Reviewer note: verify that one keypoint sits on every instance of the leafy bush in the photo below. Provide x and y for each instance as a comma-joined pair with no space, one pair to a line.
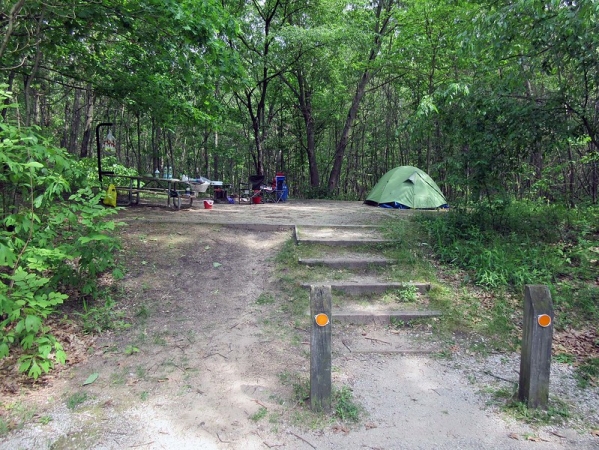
52,241
510,244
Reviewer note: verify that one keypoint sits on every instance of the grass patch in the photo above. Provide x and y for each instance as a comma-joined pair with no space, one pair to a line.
557,413
99,318
587,373
346,409
343,406
76,399
259,415
265,298
15,416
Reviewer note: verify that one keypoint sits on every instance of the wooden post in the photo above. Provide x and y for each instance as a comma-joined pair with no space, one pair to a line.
535,362
320,348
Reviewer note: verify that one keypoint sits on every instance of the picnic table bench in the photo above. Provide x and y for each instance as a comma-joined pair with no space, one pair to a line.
130,187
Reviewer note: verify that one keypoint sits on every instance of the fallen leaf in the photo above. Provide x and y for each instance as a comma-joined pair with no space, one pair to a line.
595,433
514,436
93,377
215,264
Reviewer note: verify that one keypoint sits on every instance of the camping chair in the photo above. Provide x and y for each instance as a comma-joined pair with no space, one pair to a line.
255,188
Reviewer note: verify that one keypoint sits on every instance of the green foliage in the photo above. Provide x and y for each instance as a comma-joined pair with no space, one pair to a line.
508,243
104,317
345,407
52,242
260,414
408,294
76,399
505,245
557,413
265,298
587,373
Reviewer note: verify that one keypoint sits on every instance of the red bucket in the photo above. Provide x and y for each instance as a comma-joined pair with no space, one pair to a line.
208,204
256,200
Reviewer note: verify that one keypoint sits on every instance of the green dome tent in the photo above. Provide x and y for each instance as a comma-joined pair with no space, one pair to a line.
406,187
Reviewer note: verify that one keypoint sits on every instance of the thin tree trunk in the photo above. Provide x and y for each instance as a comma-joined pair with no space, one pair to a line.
380,30
89,118
75,122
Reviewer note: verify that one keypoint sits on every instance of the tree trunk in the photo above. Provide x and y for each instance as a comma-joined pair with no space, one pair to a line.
89,118
75,122
344,138
303,93
380,30
11,79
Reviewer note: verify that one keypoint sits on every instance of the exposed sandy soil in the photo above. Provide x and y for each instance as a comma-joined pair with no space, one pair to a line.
214,355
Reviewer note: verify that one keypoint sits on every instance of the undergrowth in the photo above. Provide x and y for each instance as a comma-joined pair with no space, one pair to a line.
502,246
55,243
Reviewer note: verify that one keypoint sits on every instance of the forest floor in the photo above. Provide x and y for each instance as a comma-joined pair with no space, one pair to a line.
214,359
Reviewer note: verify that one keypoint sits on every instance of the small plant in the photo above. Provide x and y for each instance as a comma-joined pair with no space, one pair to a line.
587,374
556,413
130,350
265,298
76,399
260,414
144,396
143,312
103,317
564,358
345,407
408,293
4,428
45,420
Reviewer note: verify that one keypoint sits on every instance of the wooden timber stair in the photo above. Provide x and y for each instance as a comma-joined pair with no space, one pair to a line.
363,298
339,235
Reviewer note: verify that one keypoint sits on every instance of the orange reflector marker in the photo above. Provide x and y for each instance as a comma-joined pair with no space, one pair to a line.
544,320
321,319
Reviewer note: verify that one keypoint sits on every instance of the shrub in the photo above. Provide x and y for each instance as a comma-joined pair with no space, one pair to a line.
53,240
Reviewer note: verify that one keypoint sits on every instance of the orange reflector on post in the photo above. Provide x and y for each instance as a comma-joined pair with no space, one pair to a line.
544,320
321,319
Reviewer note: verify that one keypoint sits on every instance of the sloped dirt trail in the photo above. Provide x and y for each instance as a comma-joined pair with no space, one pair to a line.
207,362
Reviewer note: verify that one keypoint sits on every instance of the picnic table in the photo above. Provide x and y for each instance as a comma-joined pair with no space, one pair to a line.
130,187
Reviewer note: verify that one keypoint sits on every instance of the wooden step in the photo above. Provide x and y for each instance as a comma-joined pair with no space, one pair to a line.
382,318
339,235
346,263
361,288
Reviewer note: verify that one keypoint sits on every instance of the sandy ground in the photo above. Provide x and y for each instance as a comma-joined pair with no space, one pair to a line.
210,364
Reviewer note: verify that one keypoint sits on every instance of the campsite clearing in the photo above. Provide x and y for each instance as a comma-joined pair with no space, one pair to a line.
216,357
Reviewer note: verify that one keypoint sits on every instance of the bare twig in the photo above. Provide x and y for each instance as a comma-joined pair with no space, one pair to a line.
141,445
499,378
213,354
377,340
224,442
346,346
301,439
260,403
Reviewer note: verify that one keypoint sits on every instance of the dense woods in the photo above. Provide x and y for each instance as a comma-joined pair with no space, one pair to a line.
490,98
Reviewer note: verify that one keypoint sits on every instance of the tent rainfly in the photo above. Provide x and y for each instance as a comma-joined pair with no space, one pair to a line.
406,187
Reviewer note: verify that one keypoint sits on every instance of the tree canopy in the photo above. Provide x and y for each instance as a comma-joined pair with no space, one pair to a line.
490,98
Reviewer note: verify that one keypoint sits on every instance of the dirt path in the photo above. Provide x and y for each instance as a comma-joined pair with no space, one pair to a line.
214,356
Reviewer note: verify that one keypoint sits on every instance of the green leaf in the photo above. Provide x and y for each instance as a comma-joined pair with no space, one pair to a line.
93,377
33,165
32,323
215,264
35,371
